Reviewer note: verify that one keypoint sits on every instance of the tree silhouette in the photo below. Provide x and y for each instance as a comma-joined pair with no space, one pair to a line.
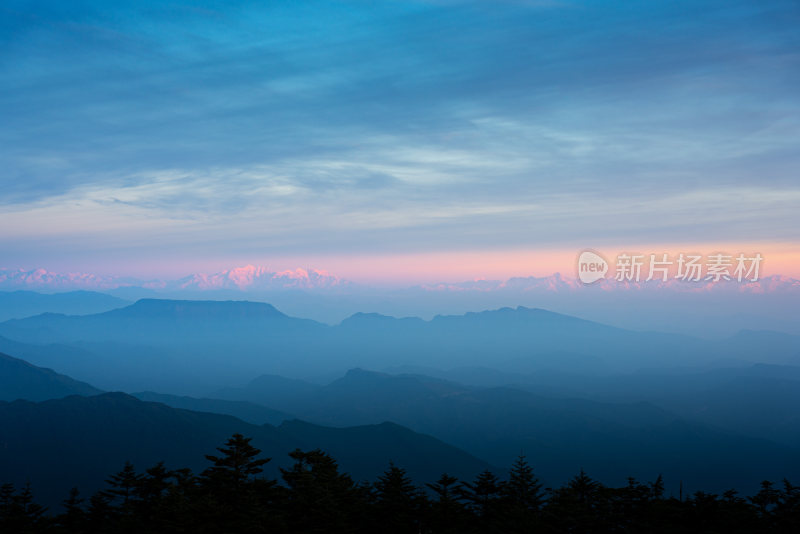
321,498
483,499
101,513
581,504
523,489
787,511
18,511
398,502
232,497
447,514
122,485
74,517
237,464
228,488
522,497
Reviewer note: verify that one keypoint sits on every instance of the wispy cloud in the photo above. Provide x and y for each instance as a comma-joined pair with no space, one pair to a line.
395,126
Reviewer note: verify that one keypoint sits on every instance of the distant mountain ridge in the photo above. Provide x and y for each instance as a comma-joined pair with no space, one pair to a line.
557,282
225,342
22,380
157,344
251,278
23,303
197,309
257,330
247,278
255,278
162,319
44,279
246,411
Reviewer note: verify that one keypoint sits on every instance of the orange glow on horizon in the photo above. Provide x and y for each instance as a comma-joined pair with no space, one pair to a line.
448,266
458,266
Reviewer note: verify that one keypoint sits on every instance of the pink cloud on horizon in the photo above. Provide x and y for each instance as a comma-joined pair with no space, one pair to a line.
458,266
426,267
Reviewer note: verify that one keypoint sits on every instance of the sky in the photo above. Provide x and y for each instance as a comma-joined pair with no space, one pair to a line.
420,140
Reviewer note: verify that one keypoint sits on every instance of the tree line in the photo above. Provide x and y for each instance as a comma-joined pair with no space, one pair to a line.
231,496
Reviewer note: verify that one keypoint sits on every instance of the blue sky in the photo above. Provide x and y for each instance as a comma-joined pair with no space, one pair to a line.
213,133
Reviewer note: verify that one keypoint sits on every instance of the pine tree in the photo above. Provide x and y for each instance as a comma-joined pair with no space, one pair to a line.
398,501
767,498
657,487
521,498
33,512
100,512
19,513
321,499
444,489
123,485
523,489
447,514
178,513
481,494
154,484
580,505
237,465
228,487
583,488
7,493
787,511
73,519
151,492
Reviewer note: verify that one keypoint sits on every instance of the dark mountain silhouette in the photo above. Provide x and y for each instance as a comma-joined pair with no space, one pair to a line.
80,440
19,304
758,400
21,380
246,411
560,435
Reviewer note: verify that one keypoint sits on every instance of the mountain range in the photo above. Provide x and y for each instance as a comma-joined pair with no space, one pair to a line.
82,440
163,345
685,423
216,341
247,278
349,418
20,304
701,309
251,278
56,432
560,435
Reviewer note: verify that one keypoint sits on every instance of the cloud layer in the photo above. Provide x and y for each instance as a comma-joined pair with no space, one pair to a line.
265,129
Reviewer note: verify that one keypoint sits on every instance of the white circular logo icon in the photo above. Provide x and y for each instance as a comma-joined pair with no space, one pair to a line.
591,267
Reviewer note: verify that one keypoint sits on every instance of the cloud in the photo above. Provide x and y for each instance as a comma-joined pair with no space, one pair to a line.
364,126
